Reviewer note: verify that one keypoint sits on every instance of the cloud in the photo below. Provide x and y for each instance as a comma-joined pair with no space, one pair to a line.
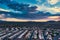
38,17
53,2
52,10
10,10
44,5
51,6
2,16
29,15
28,12
50,18
14,19
4,10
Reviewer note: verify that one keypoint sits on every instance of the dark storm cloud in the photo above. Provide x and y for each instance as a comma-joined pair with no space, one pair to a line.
38,15
30,16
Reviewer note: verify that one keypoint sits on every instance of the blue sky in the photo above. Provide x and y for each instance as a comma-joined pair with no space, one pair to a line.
50,5
27,1
40,2
47,7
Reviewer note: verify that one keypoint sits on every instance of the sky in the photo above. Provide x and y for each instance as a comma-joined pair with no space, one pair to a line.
37,10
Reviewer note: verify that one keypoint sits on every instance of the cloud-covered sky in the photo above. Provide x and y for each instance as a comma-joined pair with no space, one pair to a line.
52,6
32,10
